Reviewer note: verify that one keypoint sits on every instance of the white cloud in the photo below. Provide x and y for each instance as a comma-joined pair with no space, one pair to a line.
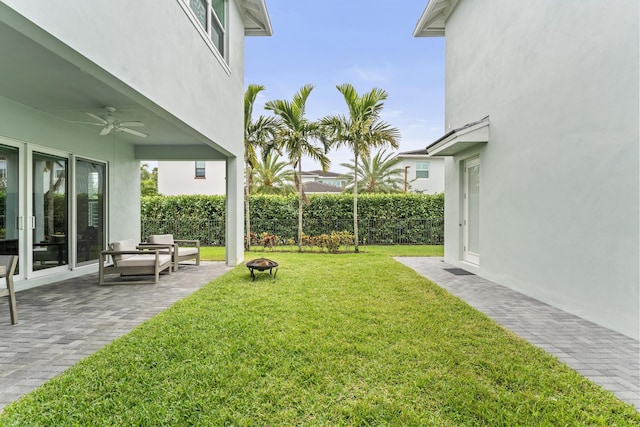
374,75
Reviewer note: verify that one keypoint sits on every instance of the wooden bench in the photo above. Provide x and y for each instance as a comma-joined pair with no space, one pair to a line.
131,260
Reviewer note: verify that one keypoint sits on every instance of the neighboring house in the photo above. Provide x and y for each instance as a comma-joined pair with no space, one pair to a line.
423,174
173,71
542,169
195,177
327,178
313,187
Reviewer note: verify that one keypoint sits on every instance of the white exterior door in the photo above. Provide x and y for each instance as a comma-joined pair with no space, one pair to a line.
471,212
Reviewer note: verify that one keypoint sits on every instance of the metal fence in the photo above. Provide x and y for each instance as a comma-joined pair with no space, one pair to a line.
373,231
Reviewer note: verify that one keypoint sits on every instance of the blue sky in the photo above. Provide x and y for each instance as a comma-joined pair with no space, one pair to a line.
367,43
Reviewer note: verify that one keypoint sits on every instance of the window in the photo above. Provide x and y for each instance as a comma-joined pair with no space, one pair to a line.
332,182
422,170
211,16
216,32
200,169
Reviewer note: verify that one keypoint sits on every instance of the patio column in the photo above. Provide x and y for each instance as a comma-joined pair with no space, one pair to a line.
234,212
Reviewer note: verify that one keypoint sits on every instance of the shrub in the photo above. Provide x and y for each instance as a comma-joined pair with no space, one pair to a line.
382,218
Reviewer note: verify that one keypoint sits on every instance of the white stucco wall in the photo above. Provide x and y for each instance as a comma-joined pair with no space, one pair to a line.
176,178
559,180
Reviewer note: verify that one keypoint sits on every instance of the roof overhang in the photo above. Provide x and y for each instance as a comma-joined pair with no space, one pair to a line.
432,21
460,139
415,154
256,18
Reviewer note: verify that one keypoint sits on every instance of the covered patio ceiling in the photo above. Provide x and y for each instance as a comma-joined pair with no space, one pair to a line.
46,75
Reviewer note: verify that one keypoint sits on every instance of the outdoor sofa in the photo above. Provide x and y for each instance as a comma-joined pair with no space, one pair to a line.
130,259
181,250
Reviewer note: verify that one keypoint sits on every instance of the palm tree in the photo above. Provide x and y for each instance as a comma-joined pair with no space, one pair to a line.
258,136
361,131
270,176
296,138
377,175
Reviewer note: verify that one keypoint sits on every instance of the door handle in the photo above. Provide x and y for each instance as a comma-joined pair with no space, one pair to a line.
19,223
33,222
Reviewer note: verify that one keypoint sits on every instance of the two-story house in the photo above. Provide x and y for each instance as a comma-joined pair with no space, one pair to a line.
87,90
542,169
422,173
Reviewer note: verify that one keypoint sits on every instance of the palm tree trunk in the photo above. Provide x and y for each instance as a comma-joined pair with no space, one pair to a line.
247,244
355,200
300,205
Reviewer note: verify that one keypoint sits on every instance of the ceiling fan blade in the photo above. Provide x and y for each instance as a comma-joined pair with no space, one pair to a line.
98,118
131,124
107,130
132,132
85,123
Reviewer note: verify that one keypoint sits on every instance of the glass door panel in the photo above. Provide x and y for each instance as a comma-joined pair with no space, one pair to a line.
50,211
471,218
90,211
9,202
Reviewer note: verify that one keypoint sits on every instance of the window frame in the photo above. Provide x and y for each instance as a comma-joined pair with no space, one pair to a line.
213,25
422,169
200,172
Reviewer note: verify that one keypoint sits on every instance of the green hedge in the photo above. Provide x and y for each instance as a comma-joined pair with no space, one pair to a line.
331,207
382,218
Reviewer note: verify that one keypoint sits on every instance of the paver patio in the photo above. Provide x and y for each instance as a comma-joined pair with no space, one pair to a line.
63,322
607,358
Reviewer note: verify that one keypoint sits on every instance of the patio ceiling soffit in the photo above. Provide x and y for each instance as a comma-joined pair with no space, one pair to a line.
432,21
50,77
460,139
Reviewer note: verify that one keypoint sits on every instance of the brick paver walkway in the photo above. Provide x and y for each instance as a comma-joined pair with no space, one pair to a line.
64,322
609,359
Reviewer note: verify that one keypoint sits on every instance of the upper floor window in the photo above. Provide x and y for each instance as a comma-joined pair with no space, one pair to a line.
211,14
333,182
200,169
422,170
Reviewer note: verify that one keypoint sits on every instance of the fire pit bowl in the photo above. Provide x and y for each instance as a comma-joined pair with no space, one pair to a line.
261,264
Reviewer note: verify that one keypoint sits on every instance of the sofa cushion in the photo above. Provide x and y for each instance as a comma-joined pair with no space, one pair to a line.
160,239
122,245
144,260
186,251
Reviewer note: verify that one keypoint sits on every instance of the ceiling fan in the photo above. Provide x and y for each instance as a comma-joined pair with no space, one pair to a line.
109,123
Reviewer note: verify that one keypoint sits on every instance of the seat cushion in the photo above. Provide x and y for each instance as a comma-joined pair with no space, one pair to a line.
122,245
186,251
160,239
143,260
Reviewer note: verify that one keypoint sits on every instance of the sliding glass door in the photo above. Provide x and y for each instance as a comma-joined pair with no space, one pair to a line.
49,220
10,219
90,210
52,209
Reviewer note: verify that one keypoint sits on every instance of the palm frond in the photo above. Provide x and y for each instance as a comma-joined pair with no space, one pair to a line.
378,174
250,96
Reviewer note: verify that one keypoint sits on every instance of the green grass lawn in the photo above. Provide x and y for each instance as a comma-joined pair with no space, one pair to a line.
349,339
216,253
